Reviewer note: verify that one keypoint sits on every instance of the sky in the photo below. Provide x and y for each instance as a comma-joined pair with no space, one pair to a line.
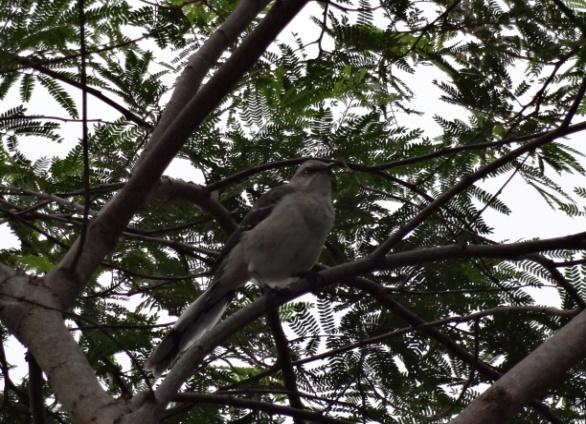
531,216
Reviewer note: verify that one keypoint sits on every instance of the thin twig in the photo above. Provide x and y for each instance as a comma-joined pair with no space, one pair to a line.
557,276
467,180
439,322
270,408
51,118
469,380
498,192
269,390
574,106
94,92
409,316
102,49
84,137
570,263
284,357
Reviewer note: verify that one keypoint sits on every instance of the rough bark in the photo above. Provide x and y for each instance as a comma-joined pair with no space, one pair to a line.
32,313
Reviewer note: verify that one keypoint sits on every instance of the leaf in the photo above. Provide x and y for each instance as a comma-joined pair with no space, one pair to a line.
26,87
6,82
499,131
40,264
60,95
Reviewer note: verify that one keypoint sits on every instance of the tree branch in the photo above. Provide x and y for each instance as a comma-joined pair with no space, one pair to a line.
199,64
65,58
347,272
270,408
239,176
464,318
166,189
84,133
8,383
249,390
380,294
574,106
284,357
569,13
41,328
169,188
94,92
557,276
35,390
32,313
511,251
529,378
113,218
466,181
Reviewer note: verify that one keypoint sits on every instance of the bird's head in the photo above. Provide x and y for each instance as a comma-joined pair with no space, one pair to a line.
314,175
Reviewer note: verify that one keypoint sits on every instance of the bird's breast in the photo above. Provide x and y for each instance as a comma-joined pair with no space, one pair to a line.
290,239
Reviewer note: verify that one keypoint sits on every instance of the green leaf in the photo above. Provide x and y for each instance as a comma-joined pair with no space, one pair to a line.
26,87
499,131
40,264
60,95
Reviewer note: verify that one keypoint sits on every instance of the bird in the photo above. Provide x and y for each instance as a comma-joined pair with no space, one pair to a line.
281,237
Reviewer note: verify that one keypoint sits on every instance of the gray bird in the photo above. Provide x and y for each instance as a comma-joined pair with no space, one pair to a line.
280,237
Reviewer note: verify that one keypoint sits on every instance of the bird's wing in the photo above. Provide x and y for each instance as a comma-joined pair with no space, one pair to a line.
261,209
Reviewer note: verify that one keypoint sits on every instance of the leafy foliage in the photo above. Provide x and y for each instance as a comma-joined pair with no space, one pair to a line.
511,68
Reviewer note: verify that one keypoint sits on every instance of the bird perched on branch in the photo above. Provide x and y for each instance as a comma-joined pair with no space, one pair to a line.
279,238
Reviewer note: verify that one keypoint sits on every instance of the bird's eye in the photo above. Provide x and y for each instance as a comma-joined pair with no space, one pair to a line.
308,171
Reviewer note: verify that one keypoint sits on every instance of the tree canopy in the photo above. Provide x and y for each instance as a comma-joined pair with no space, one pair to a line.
420,303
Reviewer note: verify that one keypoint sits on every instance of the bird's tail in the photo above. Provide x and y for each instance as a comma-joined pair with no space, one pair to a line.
203,314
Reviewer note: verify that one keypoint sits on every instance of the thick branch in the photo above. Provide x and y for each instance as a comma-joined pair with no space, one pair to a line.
31,312
529,378
183,368
41,327
512,251
203,60
177,189
114,217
